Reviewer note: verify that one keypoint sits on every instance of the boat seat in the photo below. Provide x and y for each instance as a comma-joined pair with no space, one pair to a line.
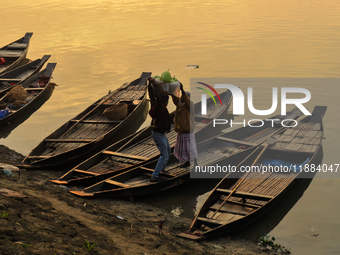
230,209
235,141
9,79
120,184
211,221
33,89
81,193
38,157
97,122
84,172
245,195
69,140
253,206
59,182
17,46
124,155
161,173
203,118
10,54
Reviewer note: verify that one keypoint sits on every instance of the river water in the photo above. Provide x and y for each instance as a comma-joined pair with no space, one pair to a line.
100,44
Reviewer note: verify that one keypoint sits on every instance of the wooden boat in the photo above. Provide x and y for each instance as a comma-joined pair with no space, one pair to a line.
242,198
21,73
35,95
91,131
140,148
223,150
13,54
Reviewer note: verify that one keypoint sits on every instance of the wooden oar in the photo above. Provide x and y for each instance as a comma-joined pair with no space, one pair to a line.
269,142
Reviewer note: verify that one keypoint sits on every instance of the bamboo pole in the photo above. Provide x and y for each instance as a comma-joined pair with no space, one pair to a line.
269,142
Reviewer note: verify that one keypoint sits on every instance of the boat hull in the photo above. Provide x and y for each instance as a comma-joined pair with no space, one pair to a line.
240,224
243,197
16,117
130,145
17,59
65,160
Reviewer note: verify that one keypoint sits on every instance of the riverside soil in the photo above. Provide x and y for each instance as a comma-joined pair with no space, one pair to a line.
44,218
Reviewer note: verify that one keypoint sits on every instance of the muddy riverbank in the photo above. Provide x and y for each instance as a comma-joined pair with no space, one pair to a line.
44,218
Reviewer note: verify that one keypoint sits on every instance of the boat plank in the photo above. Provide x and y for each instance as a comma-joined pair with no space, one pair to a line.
69,140
211,221
245,195
120,184
166,174
98,121
124,155
235,141
233,209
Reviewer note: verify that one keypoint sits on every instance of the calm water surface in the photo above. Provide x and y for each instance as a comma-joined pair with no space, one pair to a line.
100,44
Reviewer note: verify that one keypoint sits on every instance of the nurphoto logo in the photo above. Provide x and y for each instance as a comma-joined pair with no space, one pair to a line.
239,103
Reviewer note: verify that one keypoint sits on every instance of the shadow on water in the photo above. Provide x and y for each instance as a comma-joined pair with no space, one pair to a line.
22,116
274,216
186,199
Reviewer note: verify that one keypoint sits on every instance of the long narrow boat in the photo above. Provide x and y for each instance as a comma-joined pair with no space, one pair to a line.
21,73
140,148
14,53
91,131
223,149
241,198
35,95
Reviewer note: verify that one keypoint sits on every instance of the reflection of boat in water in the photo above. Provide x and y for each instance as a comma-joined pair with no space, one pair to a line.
242,198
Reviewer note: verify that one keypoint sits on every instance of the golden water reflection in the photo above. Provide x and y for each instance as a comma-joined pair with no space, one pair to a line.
100,44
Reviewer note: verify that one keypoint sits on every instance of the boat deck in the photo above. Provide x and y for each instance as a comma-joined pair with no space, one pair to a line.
138,152
258,188
172,170
14,51
145,148
94,125
304,138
